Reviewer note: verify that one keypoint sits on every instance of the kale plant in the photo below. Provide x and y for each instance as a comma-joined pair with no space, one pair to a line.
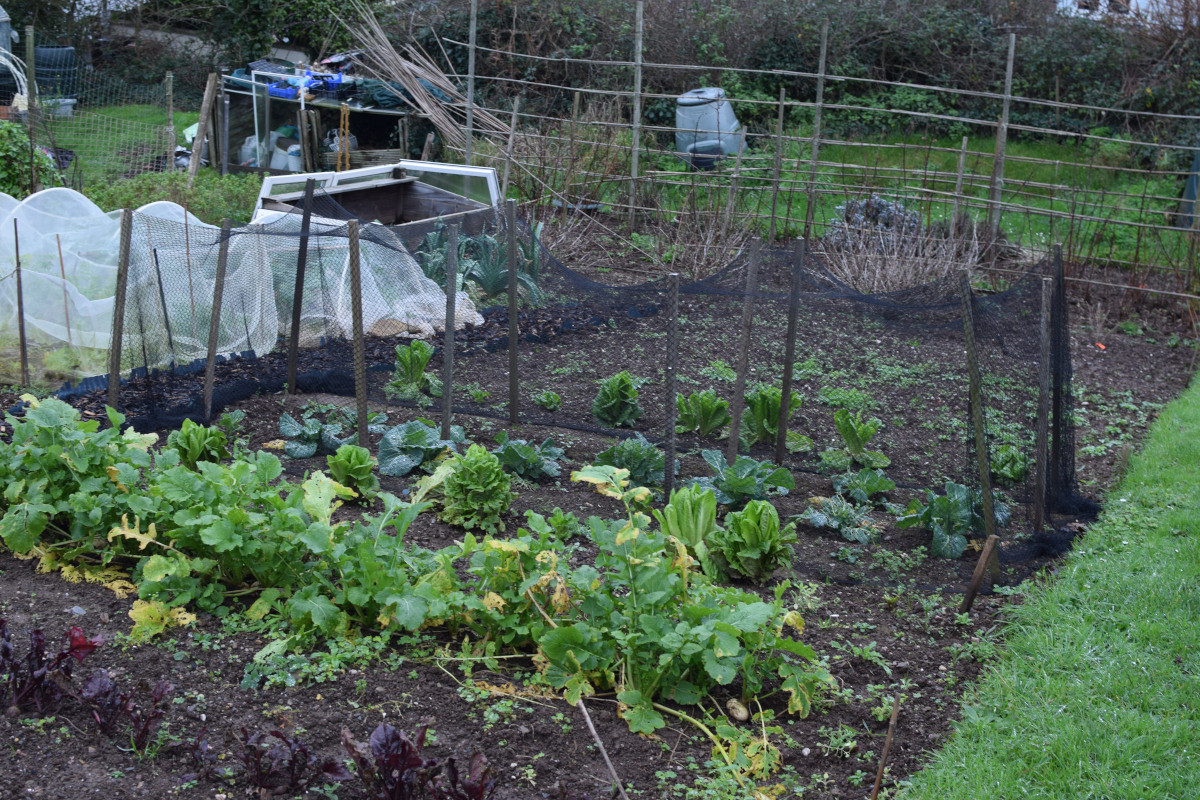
852,521
745,480
311,436
645,463
861,486
531,462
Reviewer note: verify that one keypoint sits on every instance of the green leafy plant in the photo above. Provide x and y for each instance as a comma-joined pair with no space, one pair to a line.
719,371
690,517
644,462
950,517
863,485
551,401
616,403
482,260
745,480
856,434
1010,464
702,412
353,467
17,158
310,436
196,443
852,521
411,444
476,491
477,393
752,543
760,422
410,381
561,524
531,462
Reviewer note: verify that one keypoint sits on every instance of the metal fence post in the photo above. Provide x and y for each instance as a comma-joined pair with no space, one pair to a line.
739,386
810,212
669,387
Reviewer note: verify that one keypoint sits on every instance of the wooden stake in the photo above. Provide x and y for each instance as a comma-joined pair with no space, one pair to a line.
206,106
982,567
739,387
22,344
789,356
356,323
810,212
508,151
669,387
887,745
214,319
62,271
470,121
976,389
1042,444
638,30
514,327
448,337
169,85
733,183
116,345
958,186
310,186
778,164
427,150
997,188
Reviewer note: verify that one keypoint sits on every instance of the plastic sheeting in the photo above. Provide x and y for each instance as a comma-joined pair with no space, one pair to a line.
69,252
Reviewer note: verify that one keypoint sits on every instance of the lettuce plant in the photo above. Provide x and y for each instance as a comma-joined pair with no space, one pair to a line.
616,403
745,480
196,443
476,491
703,412
353,467
752,542
410,381
551,401
690,516
39,682
760,422
856,433
1009,464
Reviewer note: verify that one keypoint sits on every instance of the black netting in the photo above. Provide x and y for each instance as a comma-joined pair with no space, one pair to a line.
911,341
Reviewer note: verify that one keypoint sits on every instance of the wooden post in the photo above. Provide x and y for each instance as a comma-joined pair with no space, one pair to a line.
976,389
116,345
427,150
448,336
789,356
571,161
739,386
169,86
669,387
986,556
1060,340
1042,444
62,272
810,212
21,343
356,330
214,320
997,187
778,164
310,186
508,151
470,126
30,70
206,106
958,187
514,326
225,134
638,30
887,746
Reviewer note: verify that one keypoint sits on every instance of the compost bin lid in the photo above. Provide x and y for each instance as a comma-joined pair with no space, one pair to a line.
698,97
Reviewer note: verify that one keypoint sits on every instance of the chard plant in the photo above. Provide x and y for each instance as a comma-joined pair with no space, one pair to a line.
410,381
856,434
616,402
701,412
745,480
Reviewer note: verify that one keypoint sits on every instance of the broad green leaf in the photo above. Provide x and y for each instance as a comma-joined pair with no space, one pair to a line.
23,524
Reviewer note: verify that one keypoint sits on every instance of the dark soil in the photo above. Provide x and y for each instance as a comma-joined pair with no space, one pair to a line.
539,745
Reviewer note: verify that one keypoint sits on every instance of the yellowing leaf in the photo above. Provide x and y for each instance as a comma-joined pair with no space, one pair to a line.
627,534
121,588
793,620
320,496
547,557
506,546
140,441
71,574
561,599
493,601
113,475
151,618
275,444
124,531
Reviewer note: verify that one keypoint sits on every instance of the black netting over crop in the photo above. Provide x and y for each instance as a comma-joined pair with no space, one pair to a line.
898,356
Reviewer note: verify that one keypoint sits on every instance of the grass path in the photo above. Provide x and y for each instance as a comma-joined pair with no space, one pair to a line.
1097,694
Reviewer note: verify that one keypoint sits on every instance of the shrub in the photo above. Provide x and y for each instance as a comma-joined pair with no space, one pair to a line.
15,177
477,492
212,198
752,543
616,403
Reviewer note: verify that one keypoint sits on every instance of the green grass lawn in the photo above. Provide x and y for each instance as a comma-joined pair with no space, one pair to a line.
1097,692
117,140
